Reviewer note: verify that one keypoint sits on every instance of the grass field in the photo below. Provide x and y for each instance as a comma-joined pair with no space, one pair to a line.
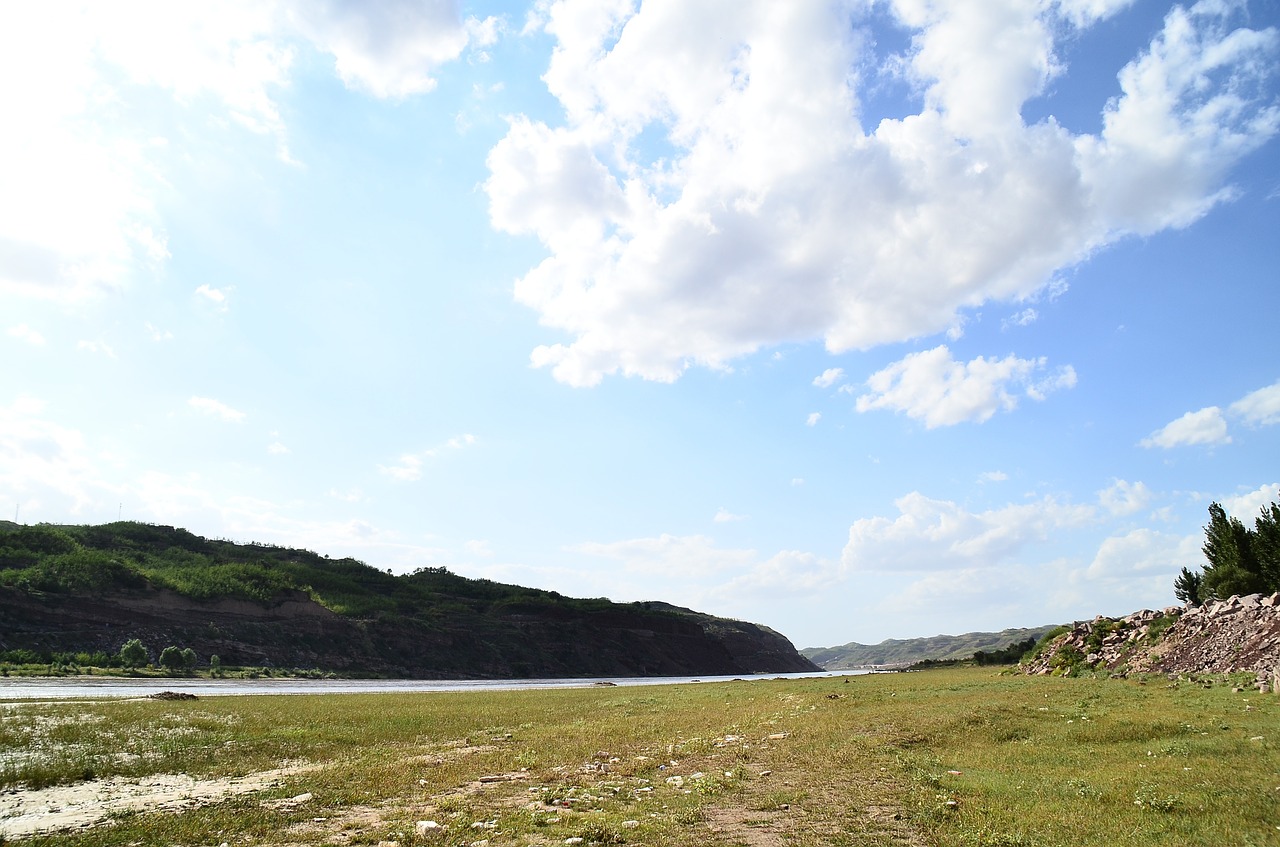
945,757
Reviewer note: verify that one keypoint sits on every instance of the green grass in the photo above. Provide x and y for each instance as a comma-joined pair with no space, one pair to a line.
955,758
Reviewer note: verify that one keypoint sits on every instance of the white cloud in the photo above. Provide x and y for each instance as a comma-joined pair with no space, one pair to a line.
216,409
776,207
1143,553
1247,506
1024,318
723,515
796,482
933,387
479,548
993,476
390,48
22,332
1259,408
275,448
158,334
41,460
1125,498
689,556
813,419
216,296
81,185
1206,426
787,572
829,377
932,534
410,465
97,348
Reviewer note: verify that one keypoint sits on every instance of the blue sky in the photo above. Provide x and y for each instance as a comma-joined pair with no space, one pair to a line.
857,319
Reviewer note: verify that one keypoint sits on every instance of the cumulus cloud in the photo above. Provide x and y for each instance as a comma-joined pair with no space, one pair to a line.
1247,506
813,419
707,196
930,534
1125,498
829,377
1209,425
1206,426
1145,553
391,48
216,409
409,467
1259,408
993,476
933,387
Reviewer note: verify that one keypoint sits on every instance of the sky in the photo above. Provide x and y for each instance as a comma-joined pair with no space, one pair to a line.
860,319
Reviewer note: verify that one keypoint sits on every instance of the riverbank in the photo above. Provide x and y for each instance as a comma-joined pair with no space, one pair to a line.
954,758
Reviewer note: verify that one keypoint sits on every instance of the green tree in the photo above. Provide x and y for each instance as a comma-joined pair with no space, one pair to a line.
1266,544
1187,586
189,658
215,665
1240,560
133,654
171,658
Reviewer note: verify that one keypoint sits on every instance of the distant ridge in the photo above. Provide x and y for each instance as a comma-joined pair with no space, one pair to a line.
900,652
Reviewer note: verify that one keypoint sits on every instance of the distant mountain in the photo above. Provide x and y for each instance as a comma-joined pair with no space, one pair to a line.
90,589
900,652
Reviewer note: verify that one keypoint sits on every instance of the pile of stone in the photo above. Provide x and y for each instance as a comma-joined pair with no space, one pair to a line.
1239,634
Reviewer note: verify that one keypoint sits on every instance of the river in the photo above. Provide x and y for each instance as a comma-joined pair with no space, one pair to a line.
64,688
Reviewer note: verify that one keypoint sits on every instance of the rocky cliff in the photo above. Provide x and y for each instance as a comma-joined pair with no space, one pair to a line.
1240,634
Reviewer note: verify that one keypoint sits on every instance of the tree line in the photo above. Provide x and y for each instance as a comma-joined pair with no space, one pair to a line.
1239,559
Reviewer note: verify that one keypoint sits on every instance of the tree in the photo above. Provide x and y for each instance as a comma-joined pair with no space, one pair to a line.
171,658
1240,560
133,654
1266,544
189,658
215,665
1187,585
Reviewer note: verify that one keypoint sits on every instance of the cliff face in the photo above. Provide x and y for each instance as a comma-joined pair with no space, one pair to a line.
1240,634
509,641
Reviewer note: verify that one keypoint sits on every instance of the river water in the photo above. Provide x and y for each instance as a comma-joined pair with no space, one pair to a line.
63,688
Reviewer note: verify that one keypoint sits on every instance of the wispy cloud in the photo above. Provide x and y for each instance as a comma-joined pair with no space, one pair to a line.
22,332
216,409
409,467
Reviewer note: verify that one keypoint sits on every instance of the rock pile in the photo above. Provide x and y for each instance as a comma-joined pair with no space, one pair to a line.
1239,634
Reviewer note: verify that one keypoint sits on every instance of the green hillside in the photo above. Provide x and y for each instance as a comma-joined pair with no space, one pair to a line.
89,588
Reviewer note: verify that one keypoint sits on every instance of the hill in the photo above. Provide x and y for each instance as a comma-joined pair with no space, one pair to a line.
901,652
90,589
1240,634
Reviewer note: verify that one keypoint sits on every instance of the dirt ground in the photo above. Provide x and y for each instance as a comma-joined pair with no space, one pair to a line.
25,812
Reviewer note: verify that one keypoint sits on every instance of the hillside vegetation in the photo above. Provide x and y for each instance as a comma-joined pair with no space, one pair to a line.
91,589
